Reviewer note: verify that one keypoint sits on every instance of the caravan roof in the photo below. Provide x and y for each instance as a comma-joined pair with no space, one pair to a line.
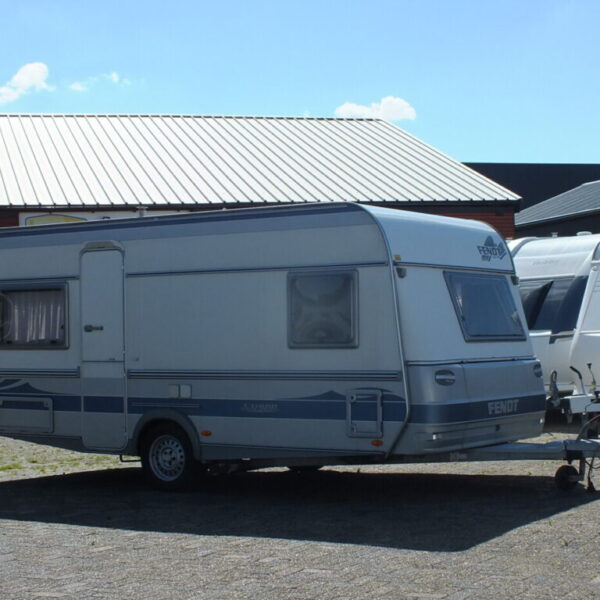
556,257
411,238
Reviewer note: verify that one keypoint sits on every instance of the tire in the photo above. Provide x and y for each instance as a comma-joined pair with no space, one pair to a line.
566,478
167,458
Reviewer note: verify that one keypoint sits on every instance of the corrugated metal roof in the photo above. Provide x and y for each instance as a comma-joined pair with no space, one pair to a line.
582,199
157,160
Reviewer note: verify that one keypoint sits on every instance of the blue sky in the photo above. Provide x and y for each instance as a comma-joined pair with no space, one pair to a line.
482,80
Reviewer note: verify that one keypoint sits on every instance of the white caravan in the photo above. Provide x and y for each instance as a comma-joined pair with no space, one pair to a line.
298,336
560,290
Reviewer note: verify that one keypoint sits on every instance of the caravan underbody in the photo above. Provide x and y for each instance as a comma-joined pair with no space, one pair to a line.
582,450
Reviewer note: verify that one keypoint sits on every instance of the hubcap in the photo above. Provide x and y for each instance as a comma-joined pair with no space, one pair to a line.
167,457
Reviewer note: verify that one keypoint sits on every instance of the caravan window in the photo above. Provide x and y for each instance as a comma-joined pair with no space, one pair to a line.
484,306
553,304
322,310
32,318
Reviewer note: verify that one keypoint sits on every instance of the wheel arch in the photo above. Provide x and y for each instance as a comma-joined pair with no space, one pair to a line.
166,415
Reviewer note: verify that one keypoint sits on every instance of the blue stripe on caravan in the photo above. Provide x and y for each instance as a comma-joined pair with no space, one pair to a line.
394,408
25,404
5,383
60,403
104,404
476,411
66,403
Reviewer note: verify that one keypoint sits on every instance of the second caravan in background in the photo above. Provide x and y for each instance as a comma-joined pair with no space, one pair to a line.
560,289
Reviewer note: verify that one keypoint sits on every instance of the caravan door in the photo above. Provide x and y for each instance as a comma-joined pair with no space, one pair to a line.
103,402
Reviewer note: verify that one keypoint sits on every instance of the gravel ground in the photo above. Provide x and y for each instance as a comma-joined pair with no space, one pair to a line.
83,527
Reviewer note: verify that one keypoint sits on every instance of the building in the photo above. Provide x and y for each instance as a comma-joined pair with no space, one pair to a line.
565,214
536,182
81,167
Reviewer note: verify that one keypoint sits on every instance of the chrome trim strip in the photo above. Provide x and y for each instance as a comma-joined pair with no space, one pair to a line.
268,375
481,269
257,269
35,280
23,373
462,361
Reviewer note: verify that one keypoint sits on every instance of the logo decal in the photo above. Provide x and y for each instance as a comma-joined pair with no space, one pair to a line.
260,407
503,407
490,250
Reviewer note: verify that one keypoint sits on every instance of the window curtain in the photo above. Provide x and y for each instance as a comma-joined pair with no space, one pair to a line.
33,317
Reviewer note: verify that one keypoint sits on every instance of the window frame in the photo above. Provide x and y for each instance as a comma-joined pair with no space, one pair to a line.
38,286
354,324
469,337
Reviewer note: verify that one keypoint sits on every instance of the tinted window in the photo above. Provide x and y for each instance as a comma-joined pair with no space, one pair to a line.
553,304
533,298
484,306
322,310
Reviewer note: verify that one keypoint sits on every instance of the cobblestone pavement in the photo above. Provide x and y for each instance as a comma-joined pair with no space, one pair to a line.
85,527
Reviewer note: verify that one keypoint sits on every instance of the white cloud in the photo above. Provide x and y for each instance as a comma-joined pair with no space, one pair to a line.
389,109
85,84
31,76
78,86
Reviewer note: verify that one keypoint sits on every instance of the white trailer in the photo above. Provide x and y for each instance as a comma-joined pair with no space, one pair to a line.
560,290
299,336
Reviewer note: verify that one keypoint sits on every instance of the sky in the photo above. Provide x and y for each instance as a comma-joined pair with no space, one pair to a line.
481,80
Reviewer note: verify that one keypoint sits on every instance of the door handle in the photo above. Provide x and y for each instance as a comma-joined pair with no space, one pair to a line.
89,328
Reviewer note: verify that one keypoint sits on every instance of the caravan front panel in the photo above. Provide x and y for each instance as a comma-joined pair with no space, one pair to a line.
473,379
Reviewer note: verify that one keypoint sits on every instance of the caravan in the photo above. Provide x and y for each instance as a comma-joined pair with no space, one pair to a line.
297,336
560,290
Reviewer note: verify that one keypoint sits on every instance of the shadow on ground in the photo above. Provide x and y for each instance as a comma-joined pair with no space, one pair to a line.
410,511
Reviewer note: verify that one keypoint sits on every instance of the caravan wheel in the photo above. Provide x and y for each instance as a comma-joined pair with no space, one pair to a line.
566,478
167,457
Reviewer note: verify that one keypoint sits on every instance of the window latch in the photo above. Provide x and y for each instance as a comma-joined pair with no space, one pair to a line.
90,328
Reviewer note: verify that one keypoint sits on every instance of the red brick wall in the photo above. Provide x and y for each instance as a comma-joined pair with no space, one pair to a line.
502,219
505,224
9,219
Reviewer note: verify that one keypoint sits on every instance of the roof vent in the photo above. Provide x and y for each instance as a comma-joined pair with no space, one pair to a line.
584,233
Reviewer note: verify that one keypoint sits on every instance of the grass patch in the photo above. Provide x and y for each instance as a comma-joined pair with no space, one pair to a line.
11,467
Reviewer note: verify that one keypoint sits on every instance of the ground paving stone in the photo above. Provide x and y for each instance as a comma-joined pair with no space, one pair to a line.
85,528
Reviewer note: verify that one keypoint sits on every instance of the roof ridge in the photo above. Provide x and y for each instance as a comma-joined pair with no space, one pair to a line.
190,115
